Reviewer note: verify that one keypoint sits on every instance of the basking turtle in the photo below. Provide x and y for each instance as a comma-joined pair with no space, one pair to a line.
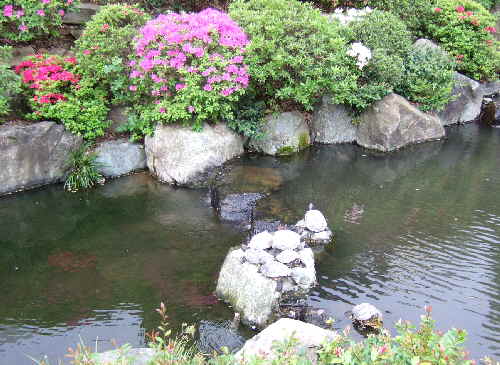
365,316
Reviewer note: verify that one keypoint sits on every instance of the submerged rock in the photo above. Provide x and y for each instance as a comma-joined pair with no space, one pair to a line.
284,134
392,123
34,155
365,315
177,154
237,208
212,335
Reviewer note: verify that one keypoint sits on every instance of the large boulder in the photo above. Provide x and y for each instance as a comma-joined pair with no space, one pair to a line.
254,295
177,154
34,155
309,338
258,278
284,134
332,123
466,104
120,157
392,123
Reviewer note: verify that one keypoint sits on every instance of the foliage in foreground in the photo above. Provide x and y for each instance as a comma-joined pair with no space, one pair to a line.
9,81
83,172
411,346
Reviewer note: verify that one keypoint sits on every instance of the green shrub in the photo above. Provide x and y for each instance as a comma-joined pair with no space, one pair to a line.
9,81
389,41
382,30
23,20
83,172
296,54
104,48
248,116
412,12
464,28
427,78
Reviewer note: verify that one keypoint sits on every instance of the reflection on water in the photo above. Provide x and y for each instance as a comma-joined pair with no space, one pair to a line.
420,226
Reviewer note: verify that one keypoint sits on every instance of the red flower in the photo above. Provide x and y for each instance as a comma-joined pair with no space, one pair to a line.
491,29
105,27
469,13
460,9
438,10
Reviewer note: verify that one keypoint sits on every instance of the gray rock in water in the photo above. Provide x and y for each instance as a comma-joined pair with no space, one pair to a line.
308,336
138,356
287,256
284,134
392,123
248,291
176,154
286,240
466,106
120,157
366,315
305,277
238,207
254,256
332,123
315,221
34,155
275,269
261,241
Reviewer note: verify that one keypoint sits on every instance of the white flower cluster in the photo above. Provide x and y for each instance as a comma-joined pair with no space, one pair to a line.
362,53
349,15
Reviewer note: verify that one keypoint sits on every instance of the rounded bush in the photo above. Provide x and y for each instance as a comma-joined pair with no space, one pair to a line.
382,30
189,68
427,78
296,54
56,93
9,81
23,20
465,29
105,46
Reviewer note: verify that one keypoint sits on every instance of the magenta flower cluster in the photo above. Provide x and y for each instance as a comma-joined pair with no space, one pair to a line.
189,53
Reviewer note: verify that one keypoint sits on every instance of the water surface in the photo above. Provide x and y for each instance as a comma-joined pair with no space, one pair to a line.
413,228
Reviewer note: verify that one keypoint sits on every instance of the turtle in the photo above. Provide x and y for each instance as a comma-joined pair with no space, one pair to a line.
365,316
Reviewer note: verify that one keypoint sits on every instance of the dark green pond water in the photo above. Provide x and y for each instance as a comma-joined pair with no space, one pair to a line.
413,228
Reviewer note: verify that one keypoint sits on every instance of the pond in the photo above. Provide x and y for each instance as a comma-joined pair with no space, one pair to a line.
416,227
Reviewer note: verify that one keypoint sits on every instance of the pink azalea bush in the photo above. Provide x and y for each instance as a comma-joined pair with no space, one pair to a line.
23,20
189,68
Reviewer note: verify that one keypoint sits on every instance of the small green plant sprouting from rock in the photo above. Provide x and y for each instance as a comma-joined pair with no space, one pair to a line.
304,141
84,172
286,151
